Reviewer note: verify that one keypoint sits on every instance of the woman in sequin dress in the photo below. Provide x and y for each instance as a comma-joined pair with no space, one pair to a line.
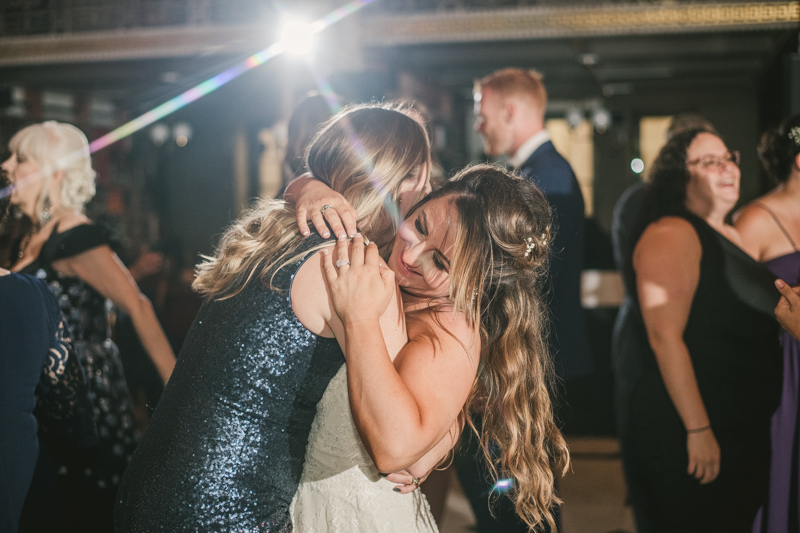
770,230
51,170
225,447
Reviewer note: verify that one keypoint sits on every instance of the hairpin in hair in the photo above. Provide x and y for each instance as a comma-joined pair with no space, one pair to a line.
529,245
794,134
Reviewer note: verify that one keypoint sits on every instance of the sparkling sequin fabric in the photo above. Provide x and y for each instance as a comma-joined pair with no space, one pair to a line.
225,447
89,477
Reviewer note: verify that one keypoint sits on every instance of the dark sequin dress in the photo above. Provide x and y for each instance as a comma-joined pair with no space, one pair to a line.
89,477
224,450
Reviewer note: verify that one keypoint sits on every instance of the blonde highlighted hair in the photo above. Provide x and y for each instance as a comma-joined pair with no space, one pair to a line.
498,265
57,146
365,152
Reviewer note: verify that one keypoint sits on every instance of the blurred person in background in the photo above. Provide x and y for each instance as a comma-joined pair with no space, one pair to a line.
53,179
40,379
510,105
630,348
697,427
770,232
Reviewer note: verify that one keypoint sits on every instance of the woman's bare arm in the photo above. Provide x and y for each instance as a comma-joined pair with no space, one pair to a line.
102,269
402,409
667,264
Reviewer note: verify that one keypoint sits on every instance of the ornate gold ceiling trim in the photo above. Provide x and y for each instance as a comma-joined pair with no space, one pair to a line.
549,22
137,43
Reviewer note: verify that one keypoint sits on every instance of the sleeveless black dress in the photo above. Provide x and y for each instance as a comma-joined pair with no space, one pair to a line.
88,477
732,337
224,450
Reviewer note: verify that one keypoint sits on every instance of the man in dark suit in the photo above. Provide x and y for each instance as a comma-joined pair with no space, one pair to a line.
510,106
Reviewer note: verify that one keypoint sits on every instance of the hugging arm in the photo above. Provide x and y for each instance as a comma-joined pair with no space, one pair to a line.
667,264
403,408
309,197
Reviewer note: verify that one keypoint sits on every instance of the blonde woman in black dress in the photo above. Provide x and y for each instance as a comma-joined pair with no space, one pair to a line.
53,177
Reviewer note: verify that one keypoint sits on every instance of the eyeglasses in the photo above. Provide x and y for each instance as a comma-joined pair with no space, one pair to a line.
716,162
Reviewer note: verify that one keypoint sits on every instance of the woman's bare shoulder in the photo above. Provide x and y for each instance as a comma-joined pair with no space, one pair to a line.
753,215
71,220
668,239
669,232
445,327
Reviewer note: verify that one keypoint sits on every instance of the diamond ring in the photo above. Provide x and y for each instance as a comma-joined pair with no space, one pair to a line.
324,207
340,262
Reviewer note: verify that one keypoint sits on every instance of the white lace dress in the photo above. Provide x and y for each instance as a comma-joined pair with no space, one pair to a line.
340,490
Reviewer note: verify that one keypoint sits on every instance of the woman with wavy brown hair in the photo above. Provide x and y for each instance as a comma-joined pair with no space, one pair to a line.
468,260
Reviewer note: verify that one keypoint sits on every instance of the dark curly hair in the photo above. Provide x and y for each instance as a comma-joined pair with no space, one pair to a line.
5,197
779,147
665,194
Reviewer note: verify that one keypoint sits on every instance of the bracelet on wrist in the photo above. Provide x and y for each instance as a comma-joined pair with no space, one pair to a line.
698,430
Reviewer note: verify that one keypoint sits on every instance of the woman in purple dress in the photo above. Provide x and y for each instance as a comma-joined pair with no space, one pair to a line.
770,232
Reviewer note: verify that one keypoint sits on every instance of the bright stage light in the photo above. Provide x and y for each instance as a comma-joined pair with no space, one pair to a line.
637,165
297,37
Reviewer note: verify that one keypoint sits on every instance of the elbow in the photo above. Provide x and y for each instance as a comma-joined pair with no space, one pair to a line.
664,340
140,308
388,464
390,459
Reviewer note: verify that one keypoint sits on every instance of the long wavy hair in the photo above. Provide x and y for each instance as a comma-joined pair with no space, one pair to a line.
502,243
365,152
665,193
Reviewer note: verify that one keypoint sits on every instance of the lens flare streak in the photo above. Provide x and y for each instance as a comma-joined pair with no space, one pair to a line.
196,92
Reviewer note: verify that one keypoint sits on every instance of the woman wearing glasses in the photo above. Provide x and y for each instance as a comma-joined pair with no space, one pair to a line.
770,230
699,414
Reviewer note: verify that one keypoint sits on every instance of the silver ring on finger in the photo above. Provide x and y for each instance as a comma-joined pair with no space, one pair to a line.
415,481
341,262
324,207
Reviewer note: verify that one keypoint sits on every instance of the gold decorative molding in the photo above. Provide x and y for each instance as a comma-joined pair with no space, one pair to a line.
549,22
139,43
420,28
